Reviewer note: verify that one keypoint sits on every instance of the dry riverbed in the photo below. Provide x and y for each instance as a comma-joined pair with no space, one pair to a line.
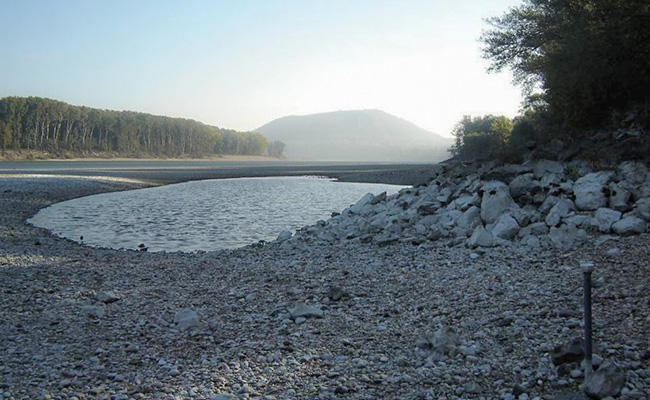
82,323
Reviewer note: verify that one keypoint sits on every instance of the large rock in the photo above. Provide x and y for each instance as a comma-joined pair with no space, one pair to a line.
604,218
590,191
447,219
544,168
630,226
560,210
463,203
535,229
606,381
496,200
361,206
185,319
642,208
520,215
523,185
506,227
470,219
284,235
481,238
378,199
548,203
634,172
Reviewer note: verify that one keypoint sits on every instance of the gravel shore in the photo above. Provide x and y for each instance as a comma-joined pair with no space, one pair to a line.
343,321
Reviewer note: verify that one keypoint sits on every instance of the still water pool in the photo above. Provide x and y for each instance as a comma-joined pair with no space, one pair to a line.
202,215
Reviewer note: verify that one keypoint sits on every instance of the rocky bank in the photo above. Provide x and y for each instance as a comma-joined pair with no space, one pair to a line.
466,287
485,205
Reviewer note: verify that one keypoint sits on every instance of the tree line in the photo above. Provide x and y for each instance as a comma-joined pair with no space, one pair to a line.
584,65
34,123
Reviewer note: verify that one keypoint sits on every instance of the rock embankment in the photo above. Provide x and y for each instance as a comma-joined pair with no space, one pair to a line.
486,205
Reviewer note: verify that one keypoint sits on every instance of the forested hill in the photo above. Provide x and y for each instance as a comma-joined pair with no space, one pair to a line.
34,123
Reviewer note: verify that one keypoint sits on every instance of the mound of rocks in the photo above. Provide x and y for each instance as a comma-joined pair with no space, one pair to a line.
537,203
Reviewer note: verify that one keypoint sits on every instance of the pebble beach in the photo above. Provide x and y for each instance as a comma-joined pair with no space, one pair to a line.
346,320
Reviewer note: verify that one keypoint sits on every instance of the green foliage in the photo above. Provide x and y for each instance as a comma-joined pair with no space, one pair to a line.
276,148
35,123
591,58
481,138
5,135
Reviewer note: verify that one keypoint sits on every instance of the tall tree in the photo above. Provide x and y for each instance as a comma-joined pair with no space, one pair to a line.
590,58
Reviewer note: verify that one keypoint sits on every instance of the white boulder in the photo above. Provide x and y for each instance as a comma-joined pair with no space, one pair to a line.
590,191
634,172
642,208
360,206
496,200
284,235
560,210
470,219
604,218
523,185
544,168
506,227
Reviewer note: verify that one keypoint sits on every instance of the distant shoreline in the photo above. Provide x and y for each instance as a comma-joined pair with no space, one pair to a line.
35,156
166,172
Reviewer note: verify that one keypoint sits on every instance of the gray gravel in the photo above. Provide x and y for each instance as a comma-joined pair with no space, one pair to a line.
201,326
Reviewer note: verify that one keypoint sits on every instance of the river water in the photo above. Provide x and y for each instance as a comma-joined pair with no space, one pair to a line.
202,215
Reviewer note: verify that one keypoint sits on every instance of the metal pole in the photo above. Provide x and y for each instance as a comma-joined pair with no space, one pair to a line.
587,268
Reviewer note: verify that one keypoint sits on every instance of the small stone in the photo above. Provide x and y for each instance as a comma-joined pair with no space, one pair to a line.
572,351
185,319
132,348
107,297
223,396
306,311
93,311
336,293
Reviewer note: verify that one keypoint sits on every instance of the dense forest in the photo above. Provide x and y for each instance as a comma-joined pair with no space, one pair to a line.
584,66
34,123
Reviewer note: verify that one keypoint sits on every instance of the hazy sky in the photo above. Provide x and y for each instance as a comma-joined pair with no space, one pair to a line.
239,64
